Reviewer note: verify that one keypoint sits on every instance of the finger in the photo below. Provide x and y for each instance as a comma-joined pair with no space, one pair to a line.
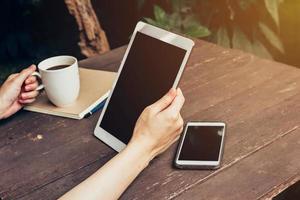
31,86
25,73
179,122
29,95
177,104
176,138
180,129
30,79
165,101
12,76
26,101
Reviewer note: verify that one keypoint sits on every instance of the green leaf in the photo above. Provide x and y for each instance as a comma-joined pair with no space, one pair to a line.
193,28
260,50
178,22
271,37
222,37
159,14
197,31
189,20
174,20
150,21
272,8
241,41
154,23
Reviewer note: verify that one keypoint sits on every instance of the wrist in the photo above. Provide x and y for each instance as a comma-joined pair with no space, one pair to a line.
142,149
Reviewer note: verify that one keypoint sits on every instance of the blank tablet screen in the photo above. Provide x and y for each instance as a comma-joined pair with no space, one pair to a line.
148,73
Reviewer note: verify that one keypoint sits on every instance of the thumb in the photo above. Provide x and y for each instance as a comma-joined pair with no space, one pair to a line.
24,74
177,104
165,101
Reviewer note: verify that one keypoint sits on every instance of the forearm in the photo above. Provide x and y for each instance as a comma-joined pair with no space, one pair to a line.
3,104
2,108
114,177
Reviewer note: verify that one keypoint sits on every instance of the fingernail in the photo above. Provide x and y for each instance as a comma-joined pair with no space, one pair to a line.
172,90
32,66
179,90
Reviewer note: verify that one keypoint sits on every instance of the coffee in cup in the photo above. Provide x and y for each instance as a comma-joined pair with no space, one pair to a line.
57,67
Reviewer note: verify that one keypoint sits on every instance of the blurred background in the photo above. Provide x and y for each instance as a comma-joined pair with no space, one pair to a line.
32,30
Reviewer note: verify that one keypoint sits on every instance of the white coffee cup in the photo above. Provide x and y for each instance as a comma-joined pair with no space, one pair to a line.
62,86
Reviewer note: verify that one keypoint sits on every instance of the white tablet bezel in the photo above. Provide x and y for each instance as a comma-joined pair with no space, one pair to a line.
200,163
159,34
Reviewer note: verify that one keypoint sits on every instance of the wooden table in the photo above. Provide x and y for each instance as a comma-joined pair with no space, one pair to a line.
42,157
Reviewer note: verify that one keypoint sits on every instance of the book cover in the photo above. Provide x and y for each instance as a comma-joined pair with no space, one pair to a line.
95,86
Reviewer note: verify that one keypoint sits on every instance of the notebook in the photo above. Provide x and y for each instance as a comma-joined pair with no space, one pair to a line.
95,86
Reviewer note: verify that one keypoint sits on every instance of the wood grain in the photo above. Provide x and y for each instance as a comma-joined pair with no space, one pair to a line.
258,99
251,177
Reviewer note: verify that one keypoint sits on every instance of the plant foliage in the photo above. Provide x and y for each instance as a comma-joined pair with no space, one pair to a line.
250,25
178,21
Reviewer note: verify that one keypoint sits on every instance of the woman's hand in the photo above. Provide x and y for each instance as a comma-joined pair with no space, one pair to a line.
17,90
156,129
160,124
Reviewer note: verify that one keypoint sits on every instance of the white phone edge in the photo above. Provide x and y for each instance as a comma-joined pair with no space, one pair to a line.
191,164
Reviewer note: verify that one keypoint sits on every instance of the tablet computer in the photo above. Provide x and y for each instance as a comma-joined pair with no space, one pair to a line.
152,64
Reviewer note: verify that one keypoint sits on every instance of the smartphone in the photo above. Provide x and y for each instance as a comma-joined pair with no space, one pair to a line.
201,145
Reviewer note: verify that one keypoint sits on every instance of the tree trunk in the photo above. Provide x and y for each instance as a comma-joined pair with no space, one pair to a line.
92,37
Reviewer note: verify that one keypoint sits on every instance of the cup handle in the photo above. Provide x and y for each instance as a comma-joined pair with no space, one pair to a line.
41,86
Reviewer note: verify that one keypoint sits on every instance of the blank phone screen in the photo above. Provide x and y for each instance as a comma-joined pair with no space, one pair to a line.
148,73
202,143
